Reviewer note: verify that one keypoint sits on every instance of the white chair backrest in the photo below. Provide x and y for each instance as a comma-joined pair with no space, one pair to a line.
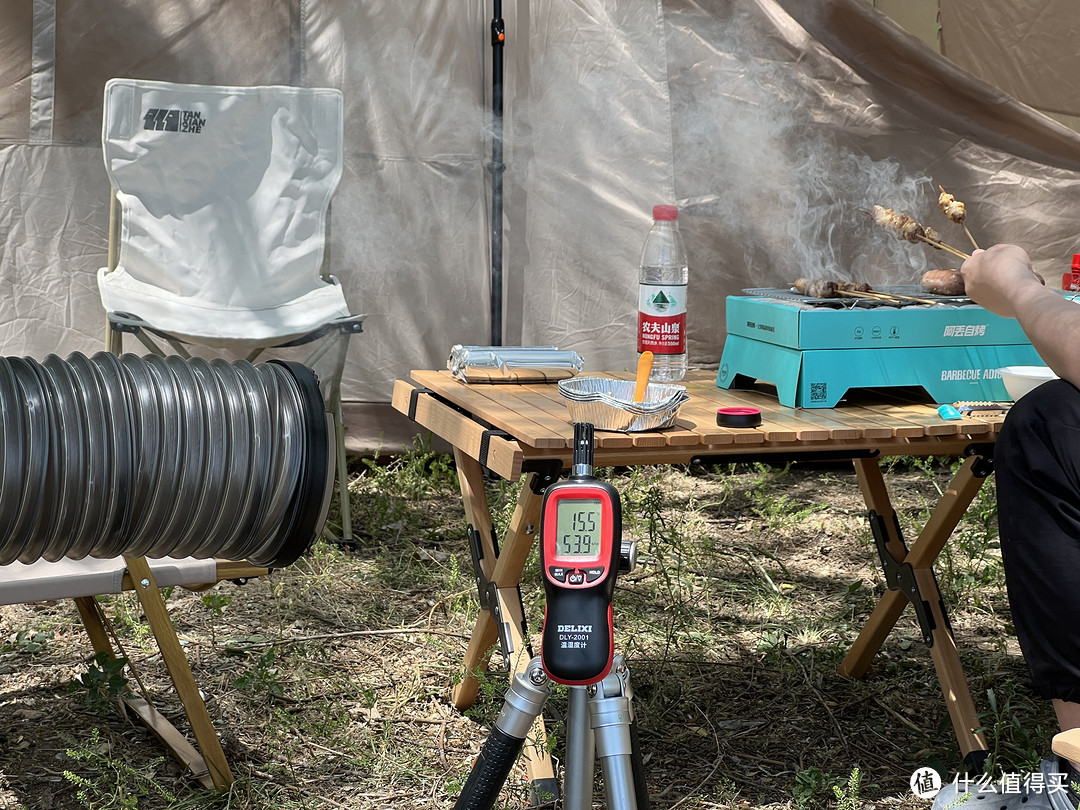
224,193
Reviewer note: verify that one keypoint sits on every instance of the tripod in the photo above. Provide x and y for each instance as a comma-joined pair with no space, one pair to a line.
580,547
600,722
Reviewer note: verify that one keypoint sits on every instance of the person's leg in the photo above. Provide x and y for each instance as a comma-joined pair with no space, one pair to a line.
1037,467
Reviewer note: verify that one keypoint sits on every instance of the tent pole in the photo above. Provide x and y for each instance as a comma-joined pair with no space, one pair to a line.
497,167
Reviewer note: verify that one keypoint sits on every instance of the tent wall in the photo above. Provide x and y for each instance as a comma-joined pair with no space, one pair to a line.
770,122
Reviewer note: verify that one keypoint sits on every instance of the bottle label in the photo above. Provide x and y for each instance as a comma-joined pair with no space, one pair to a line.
662,318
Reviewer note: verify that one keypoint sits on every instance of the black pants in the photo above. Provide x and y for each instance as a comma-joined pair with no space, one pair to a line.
1037,467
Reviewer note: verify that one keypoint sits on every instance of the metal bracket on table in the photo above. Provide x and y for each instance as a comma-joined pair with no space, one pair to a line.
985,464
900,576
547,473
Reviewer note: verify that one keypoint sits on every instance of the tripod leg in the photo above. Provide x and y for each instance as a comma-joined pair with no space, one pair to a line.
522,704
580,768
612,715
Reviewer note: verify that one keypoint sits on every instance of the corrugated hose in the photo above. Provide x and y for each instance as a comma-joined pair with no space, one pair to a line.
161,456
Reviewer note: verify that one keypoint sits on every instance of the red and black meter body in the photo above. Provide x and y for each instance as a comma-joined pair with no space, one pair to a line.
580,543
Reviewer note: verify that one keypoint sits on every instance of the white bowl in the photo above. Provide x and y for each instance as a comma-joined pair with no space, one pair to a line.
1021,379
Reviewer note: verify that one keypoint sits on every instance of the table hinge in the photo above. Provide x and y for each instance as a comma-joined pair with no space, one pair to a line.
985,463
488,592
900,576
547,473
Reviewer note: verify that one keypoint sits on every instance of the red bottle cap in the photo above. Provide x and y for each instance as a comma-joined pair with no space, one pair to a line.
1076,261
670,213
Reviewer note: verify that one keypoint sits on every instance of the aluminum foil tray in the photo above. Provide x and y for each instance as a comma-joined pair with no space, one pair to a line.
609,404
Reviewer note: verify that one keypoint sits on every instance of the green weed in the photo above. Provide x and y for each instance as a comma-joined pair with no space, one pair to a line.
115,784
847,796
102,683
29,642
263,677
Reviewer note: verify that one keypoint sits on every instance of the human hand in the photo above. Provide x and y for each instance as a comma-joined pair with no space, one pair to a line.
995,278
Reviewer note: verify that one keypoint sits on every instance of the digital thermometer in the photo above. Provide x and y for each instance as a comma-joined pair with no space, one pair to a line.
580,543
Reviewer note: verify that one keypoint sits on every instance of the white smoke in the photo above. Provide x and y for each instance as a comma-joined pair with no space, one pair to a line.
795,194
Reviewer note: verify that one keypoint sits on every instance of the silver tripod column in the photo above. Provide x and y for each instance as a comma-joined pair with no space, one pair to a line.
600,721
580,750
611,715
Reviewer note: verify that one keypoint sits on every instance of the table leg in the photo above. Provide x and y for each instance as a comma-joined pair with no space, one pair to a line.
925,550
502,568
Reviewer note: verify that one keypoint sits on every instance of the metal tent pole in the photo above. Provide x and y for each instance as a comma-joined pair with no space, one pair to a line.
497,167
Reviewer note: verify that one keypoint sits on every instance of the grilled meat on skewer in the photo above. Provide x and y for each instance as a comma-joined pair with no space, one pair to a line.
854,286
900,224
816,287
951,207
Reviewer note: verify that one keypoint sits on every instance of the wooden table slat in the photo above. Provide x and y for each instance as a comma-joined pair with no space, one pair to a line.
536,416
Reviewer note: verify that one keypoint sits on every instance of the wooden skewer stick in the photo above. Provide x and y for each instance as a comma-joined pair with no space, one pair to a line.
902,297
885,297
972,238
947,248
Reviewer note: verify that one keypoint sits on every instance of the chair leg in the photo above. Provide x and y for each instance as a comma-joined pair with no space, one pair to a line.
342,473
180,671
170,736
114,339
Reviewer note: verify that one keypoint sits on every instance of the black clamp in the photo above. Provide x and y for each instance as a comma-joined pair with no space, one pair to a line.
901,576
485,443
414,395
547,473
984,466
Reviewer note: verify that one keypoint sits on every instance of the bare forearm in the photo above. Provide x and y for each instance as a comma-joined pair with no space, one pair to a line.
1052,324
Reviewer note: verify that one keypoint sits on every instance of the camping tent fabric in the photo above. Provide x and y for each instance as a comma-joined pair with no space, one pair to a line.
771,123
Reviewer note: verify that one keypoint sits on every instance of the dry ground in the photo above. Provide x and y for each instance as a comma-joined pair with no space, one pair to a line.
329,681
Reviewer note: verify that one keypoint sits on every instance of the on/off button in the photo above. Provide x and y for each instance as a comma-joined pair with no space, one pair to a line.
575,578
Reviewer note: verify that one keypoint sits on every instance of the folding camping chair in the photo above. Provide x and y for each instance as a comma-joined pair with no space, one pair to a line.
218,226
82,580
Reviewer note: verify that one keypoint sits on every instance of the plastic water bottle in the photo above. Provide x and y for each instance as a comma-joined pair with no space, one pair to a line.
662,286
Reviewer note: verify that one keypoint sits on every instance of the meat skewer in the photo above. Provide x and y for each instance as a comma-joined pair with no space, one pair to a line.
826,288
815,287
956,211
908,229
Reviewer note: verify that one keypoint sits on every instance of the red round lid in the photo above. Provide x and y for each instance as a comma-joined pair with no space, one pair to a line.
738,417
665,213
1076,261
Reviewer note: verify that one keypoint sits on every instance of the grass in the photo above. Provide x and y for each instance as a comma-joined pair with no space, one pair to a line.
330,681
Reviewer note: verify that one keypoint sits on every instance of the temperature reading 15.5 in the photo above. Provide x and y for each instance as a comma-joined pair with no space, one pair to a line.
577,527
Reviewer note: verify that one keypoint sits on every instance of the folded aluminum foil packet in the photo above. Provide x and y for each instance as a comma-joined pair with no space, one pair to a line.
510,364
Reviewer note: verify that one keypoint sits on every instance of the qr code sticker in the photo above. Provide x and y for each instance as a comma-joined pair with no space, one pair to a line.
819,392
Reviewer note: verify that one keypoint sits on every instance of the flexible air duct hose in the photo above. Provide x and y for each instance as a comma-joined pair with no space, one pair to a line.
151,456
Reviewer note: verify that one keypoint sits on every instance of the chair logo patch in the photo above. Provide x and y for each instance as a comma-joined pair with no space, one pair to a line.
173,120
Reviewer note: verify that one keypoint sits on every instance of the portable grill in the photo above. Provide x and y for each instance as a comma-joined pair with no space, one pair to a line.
814,350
